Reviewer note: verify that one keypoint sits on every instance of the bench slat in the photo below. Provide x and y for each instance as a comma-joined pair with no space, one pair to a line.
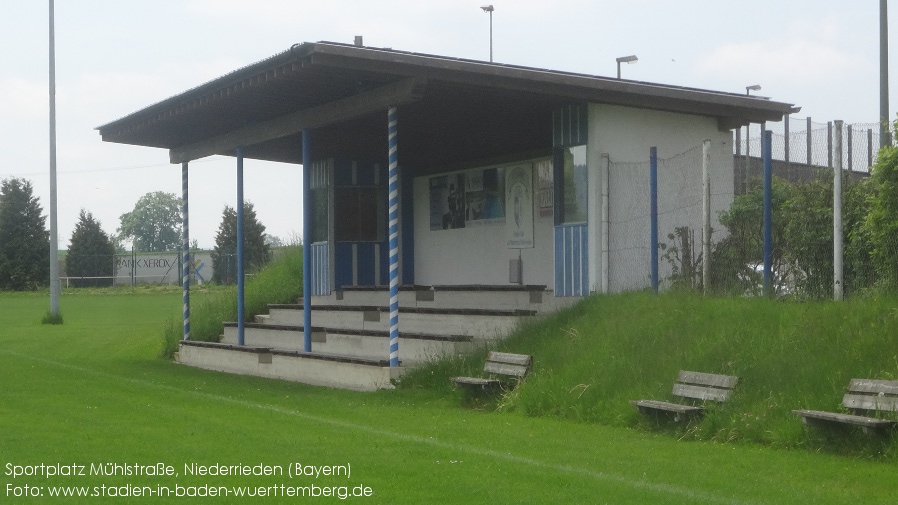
510,358
475,381
889,388
666,406
505,369
870,402
707,379
867,422
701,393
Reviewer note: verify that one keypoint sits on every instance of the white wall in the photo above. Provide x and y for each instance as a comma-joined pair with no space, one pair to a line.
626,134
476,254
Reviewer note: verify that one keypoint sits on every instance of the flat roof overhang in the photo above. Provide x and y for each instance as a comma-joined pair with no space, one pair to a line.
451,110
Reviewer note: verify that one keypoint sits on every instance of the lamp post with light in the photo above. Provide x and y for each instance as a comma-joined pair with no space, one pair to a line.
625,59
753,87
489,8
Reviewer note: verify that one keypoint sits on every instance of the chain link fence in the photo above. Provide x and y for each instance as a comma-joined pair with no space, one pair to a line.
803,256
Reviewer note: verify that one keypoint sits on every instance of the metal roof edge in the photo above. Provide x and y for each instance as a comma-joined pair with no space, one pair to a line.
301,51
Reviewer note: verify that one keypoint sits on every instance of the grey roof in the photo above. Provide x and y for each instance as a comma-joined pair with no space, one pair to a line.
438,96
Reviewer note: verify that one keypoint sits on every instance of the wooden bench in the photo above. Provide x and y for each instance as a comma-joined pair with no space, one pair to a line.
498,364
862,397
694,388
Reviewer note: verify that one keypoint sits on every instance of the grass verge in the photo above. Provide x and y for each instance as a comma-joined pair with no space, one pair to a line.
589,361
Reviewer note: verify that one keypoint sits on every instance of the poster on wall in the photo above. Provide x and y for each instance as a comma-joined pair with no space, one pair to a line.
483,196
545,188
447,202
519,198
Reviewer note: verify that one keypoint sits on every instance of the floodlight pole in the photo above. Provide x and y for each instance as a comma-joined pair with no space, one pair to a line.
885,135
490,9
55,288
625,59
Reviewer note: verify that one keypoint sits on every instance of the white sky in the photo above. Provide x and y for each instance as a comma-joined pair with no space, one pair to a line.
115,57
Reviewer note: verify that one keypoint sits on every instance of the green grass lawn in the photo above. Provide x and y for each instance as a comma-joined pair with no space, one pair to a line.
95,391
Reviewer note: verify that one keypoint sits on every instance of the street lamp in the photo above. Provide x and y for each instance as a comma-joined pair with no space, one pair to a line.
625,59
753,87
489,8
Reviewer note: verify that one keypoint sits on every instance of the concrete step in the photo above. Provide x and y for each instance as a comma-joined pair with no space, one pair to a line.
317,369
483,324
414,349
511,297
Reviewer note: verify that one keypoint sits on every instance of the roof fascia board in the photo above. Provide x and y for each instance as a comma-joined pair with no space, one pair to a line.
574,86
389,95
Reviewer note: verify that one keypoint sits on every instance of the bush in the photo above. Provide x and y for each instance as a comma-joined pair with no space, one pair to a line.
279,282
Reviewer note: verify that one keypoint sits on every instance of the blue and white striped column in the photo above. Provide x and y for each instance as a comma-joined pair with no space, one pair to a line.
394,237
185,251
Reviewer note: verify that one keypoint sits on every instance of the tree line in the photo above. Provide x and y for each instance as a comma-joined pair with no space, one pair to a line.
154,225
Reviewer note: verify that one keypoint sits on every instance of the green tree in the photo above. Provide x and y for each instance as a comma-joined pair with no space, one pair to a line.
881,224
24,240
737,259
91,253
802,239
255,251
154,224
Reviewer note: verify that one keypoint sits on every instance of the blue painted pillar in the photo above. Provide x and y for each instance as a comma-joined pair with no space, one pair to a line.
240,273
653,197
766,148
185,251
394,235
307,240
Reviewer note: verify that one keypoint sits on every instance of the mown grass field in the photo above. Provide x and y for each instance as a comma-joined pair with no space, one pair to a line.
95,390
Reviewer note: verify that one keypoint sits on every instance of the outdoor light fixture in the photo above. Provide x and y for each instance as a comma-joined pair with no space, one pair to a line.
625,59
753,87
489,8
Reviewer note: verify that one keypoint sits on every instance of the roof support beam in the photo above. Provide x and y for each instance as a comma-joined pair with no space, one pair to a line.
393,94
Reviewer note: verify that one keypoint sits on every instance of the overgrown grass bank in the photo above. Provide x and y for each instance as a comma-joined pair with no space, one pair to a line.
592,359
279,282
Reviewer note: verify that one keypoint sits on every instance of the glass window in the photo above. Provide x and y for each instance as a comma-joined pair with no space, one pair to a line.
360,214
575,184
320,232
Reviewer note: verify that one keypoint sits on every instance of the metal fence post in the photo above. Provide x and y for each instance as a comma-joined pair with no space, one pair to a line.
869,148
706,215
653,198
766,151
837,213
810,144
829,144
850,147
787,139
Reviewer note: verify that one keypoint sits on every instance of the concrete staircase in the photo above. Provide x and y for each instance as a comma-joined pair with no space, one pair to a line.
350,333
